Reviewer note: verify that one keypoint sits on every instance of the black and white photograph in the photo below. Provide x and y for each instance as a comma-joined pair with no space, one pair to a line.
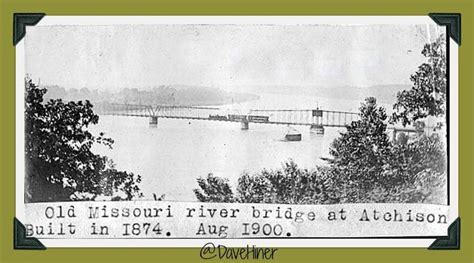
238,114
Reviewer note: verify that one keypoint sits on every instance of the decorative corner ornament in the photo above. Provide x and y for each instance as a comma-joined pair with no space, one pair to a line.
21,241
452,21
453,240
20,21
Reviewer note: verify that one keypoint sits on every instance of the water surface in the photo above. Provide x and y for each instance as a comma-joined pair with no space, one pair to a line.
172,155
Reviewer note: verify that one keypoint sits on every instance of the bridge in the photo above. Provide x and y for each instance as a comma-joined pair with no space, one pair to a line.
316,119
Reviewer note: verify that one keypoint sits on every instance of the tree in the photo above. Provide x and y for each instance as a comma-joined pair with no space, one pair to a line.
420,169
361,152
214,189
60,165
254,188
427,97
417,175
367,167
288,185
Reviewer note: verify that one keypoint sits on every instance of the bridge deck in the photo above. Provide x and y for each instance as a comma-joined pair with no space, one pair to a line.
209,119
399,129
304,117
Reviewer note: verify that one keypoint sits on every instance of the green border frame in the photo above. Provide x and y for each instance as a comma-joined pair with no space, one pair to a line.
233,7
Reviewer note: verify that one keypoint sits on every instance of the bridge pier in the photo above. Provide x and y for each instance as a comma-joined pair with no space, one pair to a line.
153,121
316,128
244,125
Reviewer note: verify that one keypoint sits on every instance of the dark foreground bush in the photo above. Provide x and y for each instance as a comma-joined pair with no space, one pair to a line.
288,185
411,172
291,185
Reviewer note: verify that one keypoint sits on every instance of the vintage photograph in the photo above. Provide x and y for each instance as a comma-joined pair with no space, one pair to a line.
300,114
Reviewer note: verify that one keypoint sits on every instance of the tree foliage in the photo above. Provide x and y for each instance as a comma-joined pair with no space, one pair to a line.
60,165
288,185
427,97
373,169
415,173
366,168
214,189
362,150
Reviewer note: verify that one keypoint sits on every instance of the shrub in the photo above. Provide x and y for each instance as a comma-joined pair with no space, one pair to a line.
214,189
288,185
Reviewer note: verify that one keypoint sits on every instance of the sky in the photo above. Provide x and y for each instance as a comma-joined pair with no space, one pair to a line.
232,57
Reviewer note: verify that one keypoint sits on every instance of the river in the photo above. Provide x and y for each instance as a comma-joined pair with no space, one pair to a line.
172,155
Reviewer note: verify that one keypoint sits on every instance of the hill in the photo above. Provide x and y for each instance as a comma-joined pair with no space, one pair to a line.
162,95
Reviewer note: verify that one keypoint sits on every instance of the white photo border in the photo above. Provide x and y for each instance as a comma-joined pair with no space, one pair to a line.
286,20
